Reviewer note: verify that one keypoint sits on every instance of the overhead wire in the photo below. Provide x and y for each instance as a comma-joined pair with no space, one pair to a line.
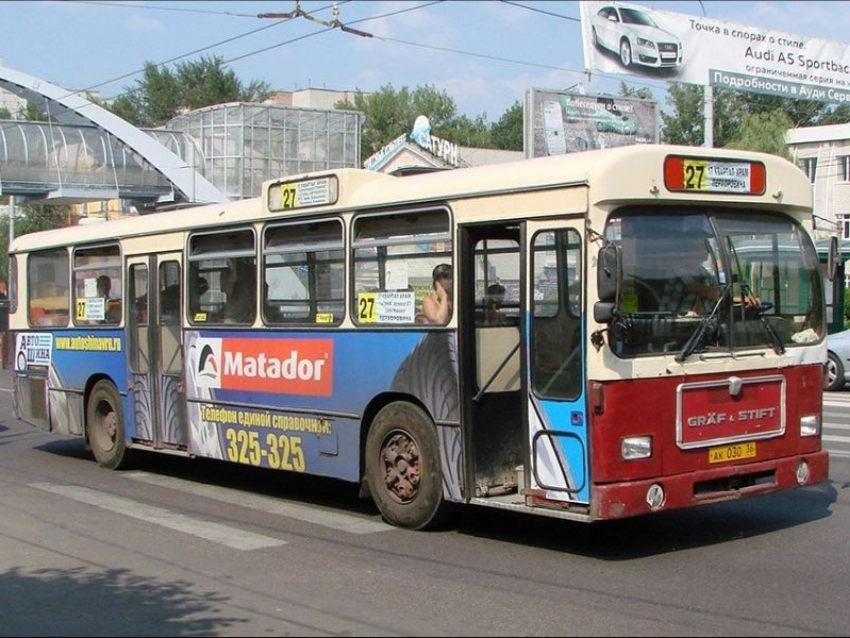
185,55
331,28
154,7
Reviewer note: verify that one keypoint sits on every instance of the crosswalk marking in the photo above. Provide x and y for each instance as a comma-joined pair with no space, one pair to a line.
215,532
279,507
845,427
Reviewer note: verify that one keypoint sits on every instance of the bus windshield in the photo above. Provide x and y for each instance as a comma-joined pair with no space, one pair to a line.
735,280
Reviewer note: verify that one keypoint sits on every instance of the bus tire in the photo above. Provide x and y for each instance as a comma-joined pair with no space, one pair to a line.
403,467
105,426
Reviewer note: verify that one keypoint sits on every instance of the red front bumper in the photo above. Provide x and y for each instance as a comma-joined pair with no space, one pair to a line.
622,500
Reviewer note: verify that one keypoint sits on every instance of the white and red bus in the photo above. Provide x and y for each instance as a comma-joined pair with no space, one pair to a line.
629,331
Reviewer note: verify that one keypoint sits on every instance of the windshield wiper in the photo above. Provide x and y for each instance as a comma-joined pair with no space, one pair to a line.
778,344
747,293
707,326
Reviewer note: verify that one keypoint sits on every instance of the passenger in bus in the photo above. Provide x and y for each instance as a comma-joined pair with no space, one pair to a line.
104,286
493,301
691,288
271,312
196,294
437,308
239,286
112,306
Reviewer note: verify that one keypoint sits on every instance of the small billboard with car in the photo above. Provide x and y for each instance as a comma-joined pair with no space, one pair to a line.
558,122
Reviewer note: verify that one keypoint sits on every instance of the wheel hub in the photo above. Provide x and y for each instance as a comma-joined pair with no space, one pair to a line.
402,471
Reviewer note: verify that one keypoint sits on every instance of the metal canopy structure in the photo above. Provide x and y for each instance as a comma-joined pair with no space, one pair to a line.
88,153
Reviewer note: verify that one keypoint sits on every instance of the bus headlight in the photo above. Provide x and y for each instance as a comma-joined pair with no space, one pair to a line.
636,447
810,425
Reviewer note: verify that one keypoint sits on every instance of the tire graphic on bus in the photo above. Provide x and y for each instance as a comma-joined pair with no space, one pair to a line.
430,373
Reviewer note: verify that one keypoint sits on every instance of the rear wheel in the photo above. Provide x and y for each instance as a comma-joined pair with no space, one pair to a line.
835,372
105,426
403,467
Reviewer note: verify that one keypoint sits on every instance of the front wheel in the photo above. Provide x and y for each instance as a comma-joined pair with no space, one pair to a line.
105,426
835,372
626,53
403,467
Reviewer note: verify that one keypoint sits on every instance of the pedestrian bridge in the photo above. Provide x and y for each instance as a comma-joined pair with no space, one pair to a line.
60,162
86,153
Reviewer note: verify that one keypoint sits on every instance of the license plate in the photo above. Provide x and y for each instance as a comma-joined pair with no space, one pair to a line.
724,453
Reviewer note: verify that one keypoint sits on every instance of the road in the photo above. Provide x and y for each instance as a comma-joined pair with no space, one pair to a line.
187,548
836,417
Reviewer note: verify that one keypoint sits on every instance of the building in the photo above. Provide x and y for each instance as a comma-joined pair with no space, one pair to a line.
312,98
243,145
421,151
823,153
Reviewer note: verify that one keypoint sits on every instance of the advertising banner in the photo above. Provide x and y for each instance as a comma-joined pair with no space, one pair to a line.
560,122
628,38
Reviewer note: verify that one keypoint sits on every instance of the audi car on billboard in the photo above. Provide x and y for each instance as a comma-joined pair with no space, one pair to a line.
635,37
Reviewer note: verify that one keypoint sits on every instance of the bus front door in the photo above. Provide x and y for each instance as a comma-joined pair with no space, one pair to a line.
156,350
557,433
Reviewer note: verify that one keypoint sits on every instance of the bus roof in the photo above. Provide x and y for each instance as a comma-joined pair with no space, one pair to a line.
631,173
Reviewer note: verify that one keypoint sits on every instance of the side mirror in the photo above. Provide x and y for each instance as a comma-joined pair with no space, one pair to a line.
833,260
604,311
607,283
608,272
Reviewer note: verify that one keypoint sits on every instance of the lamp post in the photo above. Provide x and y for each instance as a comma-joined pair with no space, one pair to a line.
11,219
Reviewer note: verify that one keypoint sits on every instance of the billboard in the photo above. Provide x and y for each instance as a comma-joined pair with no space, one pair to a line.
558,122
628,38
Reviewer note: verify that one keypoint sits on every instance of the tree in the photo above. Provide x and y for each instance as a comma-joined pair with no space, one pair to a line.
468,132
643,93
506,134
734,110
29,219
31,113
764,132
162,93
390,113
684,125
5,114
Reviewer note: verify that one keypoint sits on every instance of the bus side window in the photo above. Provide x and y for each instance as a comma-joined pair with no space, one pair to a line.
222,278
48,290
303,277
98,290
398,260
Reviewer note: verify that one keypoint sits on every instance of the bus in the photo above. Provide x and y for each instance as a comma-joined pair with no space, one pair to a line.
658,341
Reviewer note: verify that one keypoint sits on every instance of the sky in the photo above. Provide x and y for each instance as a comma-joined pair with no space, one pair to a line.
485,54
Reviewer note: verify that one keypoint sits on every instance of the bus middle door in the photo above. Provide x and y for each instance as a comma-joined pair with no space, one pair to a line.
556,402
156,350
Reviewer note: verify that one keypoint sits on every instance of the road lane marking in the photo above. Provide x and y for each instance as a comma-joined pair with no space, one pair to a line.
837,426
215,532
268,504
